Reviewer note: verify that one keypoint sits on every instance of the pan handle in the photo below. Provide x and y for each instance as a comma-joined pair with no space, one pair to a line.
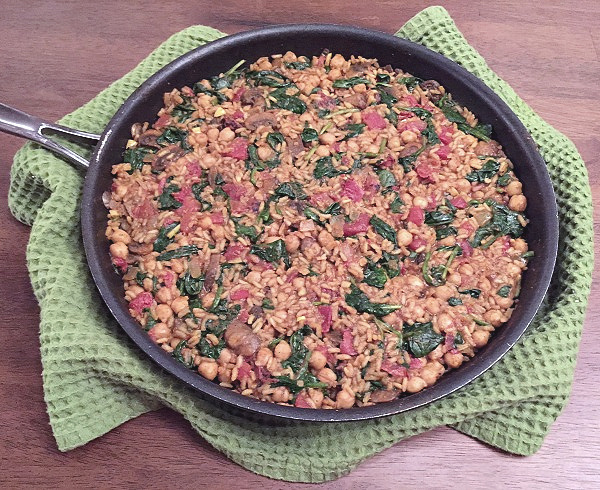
19,123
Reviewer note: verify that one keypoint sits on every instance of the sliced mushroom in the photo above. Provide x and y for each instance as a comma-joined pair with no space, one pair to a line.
212,269
409,150
489,148
359,100
140,248
241,339
360,67
257,311
148,138
166,156
252,96
384,396
295,145
259,119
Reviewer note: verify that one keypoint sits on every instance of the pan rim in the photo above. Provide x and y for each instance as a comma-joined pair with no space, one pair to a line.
233,399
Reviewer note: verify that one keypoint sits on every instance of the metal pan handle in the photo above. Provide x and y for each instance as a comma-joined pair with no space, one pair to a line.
19,123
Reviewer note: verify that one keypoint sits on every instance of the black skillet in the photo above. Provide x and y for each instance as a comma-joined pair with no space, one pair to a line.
219,56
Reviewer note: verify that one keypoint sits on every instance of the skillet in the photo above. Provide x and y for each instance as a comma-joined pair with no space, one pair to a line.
217,57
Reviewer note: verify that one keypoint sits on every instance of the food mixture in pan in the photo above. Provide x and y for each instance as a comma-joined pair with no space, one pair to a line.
320,232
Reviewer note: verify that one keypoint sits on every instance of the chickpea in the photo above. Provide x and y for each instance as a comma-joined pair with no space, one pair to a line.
518,203
504,302
318,360
453,360
444,292
420,202
344,399
520,245
327,138
226,356
463,185
134,290
326,240
160,331
444,322
322,151
264,152
226,134
493,317
337,61
283,350
119,250
163,295
208,299
208,369
121,236
480,337
292,243
455,278
432,306
326,375
512,269
299,282
263,356
217,232
281,394
121,191
179,305
394,143
205,223
334,74
514,188
212,134
408,136
404,238
164,312
415,384
316,396
360,88
431,372
253,276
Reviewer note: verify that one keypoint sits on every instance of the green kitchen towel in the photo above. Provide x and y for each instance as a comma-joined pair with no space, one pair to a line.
95,378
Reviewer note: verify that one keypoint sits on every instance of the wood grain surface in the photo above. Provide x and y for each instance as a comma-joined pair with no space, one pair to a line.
56,55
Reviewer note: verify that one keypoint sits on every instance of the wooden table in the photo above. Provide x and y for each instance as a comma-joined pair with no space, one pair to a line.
54,56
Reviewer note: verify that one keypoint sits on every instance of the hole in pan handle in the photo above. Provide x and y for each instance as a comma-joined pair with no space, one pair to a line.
19,123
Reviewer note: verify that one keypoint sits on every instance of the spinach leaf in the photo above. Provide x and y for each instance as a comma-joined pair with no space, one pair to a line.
293,190
383,229
504,180
178,253
179,357
430,134
418,111
436,276
396,206
165,237
173,135
374,275
445,231
248,231
390,263
200,88
275,140
480,131
267,304
353,130
410,82
139,278
309,134
269,78
504,291
350,82
324,168
504,222
299,350
135,157
334,209
485,173
386,98
311,214
206,349
188,285
308,380
386,179
166,201
197,189
184,110
302,64
382,79
361,303
272,252
455,301
474,293
438,218
420,338
408,162
253,162
288,102
150,322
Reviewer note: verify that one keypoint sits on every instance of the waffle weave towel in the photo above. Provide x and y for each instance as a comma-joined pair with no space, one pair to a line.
95,378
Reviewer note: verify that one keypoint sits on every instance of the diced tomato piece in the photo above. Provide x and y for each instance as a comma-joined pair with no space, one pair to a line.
185,191
416,363
217,218
292,275
141,301
416,126
416,215
394,369
239,149
410,100
467,249
445,135
238,94
388,161
326,315
459,202
234,191
417,243
193,169
331,292
444,152
187,213
162,121
360,225
336,147
321,199
240,294
424,171
301,401
237,114
505,244
351,189
168,278
234,251
373,120
187,91
243,316
326,102
120,263
468,227
244,370
262,374
144,210
449,341
347,344
161,184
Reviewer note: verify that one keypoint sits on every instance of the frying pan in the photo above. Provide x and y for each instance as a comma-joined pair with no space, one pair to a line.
217,57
